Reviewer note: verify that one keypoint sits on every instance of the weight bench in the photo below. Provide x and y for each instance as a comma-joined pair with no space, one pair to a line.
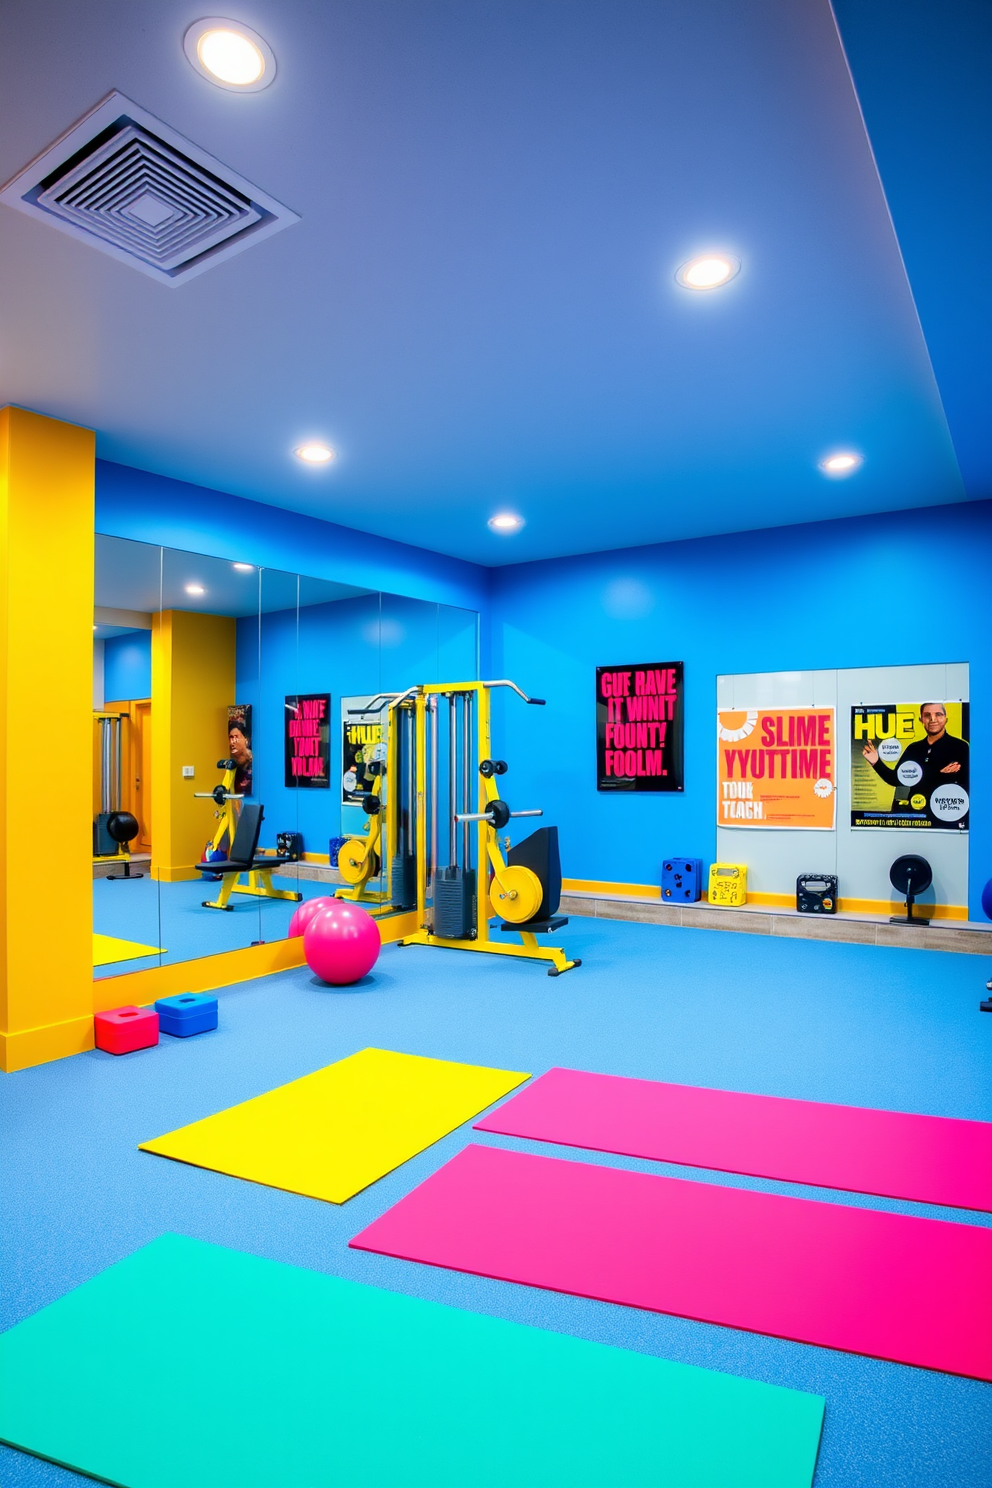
244,857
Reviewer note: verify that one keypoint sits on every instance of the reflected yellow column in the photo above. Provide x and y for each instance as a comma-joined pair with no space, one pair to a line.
46,738
193,670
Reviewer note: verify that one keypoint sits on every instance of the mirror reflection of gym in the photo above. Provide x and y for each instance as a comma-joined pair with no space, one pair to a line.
125,908
207,658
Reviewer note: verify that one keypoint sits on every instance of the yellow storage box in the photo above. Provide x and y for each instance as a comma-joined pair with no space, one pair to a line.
728,883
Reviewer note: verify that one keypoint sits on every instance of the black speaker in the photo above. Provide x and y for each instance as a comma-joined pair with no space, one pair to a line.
290,845
816,893
539,853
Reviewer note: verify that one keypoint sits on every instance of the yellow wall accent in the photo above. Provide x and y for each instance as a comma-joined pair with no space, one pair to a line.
770,901
866,906
596,886
207,973
193,678
46,658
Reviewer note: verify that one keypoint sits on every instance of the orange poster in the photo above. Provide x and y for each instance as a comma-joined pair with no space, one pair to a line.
775,768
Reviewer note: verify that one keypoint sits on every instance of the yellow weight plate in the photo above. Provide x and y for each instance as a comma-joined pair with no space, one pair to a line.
353,859
516,894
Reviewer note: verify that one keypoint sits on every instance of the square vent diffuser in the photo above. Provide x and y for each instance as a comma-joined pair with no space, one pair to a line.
126,183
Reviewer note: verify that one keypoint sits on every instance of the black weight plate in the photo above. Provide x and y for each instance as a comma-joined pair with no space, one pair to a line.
498,813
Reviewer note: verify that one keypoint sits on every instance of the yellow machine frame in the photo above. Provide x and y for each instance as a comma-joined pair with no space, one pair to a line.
487,841
356,859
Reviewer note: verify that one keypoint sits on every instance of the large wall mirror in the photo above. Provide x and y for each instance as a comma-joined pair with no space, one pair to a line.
234,703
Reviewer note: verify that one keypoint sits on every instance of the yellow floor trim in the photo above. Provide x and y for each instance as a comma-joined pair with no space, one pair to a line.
107,949
596,886
760,900
864,906
332,1133
207,973
27,1047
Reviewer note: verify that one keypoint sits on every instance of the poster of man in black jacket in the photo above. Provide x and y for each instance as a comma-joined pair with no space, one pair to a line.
936,763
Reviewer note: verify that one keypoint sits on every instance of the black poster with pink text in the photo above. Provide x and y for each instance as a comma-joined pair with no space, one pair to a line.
308,734
639,727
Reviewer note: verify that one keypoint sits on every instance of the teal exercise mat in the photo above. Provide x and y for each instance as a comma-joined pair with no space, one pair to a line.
188,1365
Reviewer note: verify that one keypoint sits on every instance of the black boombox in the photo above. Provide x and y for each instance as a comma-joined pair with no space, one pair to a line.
816,893
290,845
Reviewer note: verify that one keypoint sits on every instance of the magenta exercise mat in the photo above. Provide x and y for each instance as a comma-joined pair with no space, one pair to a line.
916,1291
933,1159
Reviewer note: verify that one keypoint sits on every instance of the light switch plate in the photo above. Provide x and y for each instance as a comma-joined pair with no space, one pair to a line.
188,772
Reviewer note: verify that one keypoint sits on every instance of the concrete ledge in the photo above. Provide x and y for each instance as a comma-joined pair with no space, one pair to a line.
941,935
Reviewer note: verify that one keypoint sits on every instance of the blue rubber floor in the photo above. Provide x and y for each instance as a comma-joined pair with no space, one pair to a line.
891,1028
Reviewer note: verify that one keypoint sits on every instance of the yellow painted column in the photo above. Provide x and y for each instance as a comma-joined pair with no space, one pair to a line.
46,737
193,678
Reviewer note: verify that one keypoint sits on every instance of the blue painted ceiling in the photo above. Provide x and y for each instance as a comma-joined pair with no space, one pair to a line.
478,308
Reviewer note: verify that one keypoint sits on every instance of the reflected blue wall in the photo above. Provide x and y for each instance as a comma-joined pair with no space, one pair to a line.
349,648
127,667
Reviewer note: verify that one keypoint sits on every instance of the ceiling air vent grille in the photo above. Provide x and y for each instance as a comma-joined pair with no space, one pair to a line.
126,183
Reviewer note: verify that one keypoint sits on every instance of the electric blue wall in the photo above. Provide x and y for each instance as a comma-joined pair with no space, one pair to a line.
127,667
909,587
156,509
349,648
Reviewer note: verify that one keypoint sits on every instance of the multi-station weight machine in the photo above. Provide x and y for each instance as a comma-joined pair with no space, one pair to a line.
113,830
437,782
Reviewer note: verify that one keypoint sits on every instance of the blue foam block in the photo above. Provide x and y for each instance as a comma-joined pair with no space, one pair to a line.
187,1013
682,880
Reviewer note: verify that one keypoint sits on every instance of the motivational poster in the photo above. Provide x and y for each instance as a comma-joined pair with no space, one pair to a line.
776,768
910,766
639,727
307,740
363,747
239,746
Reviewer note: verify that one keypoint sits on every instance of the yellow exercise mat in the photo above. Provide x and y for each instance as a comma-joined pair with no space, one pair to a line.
107,949
332,1133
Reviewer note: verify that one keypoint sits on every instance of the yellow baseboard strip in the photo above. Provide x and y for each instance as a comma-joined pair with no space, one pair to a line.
31,1046
759,900
595,886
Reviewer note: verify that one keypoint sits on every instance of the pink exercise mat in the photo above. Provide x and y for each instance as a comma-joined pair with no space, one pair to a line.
916,1291
933,1159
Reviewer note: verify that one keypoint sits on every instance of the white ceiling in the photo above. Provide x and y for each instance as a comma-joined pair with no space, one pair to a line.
477,308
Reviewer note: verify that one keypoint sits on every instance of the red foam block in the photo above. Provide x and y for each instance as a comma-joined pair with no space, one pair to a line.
933,1159
125,1029
916,1291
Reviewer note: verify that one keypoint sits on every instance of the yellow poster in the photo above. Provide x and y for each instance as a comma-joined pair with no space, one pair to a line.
909,766
776,768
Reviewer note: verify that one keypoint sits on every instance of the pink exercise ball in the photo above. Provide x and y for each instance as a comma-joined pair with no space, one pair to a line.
307,910
341,944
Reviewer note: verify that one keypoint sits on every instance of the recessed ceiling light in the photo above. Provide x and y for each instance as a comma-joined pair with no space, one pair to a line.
230,54
244,567
506,522
709,271
195,589
314,454
840,464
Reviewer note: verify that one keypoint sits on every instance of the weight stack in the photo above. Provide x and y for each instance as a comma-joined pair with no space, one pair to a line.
454,895
403,879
